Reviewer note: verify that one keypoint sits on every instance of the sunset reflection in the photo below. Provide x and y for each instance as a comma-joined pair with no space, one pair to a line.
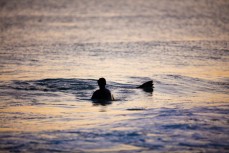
53,52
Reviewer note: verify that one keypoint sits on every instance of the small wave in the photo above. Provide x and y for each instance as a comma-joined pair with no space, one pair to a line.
53,85
82,89
169,84
135,109
179,84
180,126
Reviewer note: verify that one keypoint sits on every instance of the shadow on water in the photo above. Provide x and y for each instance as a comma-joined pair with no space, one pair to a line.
100,102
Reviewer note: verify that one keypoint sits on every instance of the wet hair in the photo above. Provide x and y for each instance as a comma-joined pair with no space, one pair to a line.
102,82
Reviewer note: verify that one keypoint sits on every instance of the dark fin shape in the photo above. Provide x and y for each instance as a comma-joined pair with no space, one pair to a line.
147,86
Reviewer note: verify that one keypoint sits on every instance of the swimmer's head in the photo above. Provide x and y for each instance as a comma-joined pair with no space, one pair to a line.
102,82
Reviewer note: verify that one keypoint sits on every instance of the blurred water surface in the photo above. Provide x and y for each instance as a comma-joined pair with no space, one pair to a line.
52,53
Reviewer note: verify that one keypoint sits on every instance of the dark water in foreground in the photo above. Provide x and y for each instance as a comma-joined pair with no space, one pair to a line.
52,53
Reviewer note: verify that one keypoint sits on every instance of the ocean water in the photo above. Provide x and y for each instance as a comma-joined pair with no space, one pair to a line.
53,52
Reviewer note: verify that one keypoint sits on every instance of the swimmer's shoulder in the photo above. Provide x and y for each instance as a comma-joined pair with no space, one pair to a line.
96,94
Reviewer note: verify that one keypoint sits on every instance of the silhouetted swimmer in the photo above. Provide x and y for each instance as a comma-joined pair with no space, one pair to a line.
103,93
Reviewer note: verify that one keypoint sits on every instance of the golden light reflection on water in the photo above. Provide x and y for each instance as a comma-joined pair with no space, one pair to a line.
45,118
125,42
119,147
114,71
85,115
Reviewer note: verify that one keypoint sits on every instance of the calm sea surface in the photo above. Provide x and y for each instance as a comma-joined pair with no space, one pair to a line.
52,53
